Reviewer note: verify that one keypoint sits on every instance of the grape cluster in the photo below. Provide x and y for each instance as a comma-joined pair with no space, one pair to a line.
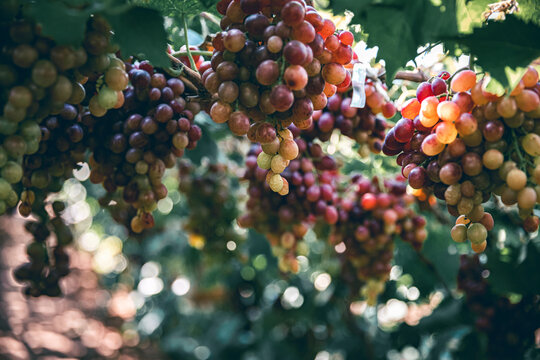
269,70
464,144
38,78
47,265
286,219
371,213
510,327
133,146
106,73
212,206
359,124
62,147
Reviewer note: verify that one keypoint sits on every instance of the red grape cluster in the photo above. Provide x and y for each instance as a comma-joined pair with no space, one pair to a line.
371,213
212,207
510,327
463,144
269,70
45,268
285,219
359,124
135,144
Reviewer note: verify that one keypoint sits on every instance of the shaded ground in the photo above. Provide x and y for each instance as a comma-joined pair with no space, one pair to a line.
76,326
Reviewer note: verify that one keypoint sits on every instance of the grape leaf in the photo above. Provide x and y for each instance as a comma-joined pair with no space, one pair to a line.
529,10
64,24
139,31
181,7
507,274
398,28
469,14
504,44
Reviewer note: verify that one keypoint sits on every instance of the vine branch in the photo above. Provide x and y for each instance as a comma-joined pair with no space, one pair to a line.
188,50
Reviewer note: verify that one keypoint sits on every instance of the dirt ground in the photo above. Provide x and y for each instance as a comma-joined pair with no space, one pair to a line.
78,325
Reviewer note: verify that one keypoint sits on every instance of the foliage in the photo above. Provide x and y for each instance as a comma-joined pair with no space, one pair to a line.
398,28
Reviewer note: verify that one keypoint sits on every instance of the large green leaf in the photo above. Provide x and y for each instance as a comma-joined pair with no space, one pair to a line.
510,275
180,7
502,46
66,25
139,31
398,28
469,14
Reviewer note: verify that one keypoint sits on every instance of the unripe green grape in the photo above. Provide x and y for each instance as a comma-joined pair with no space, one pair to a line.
30,130
12,199
477,233
40,179
5,189
3,157
20,97
180,140
271,148
7,127
452,195
14,114
12,172
107,97
62,89
459,233
264,161
276,182
531,144
95,108
141,167
78,94
465,206
278,164
44,73
32,146
15,146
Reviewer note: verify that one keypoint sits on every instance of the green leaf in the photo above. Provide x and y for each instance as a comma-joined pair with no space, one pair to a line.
180,7
440,250
503,45
529,10
64,24
139,31
469,14
438,260
509,275
398,28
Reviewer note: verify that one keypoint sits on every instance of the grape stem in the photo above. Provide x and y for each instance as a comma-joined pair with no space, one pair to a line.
193,52
210,17
414,76
522,161
188,51
192,75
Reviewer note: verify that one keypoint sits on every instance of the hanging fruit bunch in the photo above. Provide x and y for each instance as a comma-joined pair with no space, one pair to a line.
463,144
269,69
371,213
364,125
136,143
